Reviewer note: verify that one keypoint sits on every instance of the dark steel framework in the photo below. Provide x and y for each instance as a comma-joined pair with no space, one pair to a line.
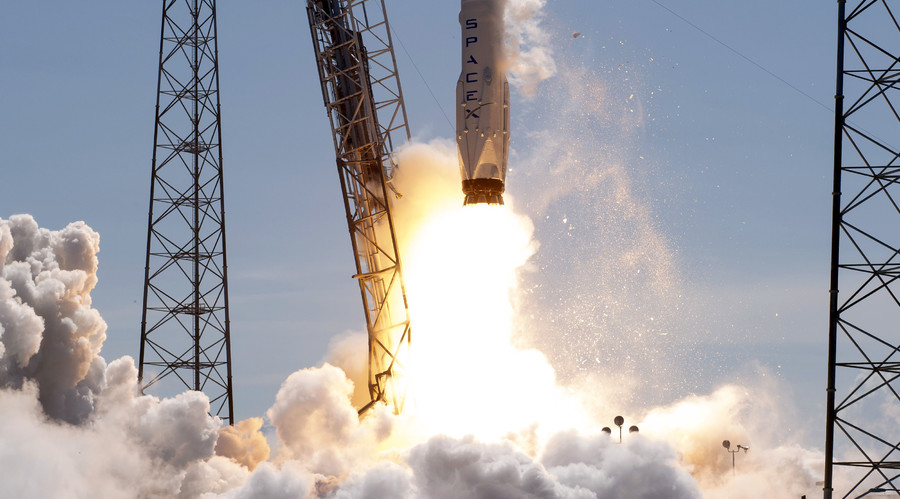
862,444
185,328
363,98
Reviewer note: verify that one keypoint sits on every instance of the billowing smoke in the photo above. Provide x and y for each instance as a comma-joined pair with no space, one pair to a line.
73,426
529,54
319,427
244,443
51,335
130,445
751,416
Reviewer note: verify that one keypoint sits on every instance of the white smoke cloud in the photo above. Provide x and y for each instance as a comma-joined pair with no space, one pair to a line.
384,479
73,426
319,427
41,458
752,416
51,335
26,328
214,477
289,481
141,448
530,57
637,468
445,468
349,352
244,443
129,445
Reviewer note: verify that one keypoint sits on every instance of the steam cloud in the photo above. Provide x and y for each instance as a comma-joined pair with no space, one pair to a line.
50,332
529,54
117,443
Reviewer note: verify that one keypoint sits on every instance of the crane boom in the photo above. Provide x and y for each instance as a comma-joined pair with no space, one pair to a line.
364,102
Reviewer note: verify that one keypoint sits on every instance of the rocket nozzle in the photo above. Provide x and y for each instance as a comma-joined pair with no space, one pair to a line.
483,191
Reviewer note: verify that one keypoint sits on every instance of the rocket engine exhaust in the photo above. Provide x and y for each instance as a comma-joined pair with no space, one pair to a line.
482,94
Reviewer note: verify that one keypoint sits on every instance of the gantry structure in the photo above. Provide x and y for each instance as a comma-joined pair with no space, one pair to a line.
185,326
364,102
862,444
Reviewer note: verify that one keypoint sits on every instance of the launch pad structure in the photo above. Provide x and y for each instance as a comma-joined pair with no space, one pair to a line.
862,451
364,101
185,326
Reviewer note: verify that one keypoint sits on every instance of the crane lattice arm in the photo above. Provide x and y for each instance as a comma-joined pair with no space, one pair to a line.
358,72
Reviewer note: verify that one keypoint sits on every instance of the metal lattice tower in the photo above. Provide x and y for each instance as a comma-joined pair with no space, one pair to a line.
862,447
185,336
361,89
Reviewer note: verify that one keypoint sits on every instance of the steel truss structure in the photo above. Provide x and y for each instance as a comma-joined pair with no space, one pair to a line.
863,395
363,99
185,327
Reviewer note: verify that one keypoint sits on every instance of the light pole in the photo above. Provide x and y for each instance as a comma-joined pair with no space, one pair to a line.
619,421
727,445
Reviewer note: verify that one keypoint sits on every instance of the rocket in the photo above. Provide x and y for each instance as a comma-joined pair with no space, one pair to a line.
482,95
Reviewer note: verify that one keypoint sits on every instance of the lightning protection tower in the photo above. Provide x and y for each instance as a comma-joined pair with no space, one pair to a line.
361,89
862,446
185,333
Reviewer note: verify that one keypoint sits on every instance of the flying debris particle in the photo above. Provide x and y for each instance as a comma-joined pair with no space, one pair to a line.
576,34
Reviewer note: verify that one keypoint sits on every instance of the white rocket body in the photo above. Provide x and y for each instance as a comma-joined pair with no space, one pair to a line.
482,94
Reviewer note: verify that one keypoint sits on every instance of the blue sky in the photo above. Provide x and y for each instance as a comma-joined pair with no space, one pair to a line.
732,165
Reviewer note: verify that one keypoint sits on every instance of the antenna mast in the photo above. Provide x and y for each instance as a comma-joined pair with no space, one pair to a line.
185,328
862,448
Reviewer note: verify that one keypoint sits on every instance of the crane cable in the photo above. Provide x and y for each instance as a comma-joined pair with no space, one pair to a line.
411,61
883,143
742,56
